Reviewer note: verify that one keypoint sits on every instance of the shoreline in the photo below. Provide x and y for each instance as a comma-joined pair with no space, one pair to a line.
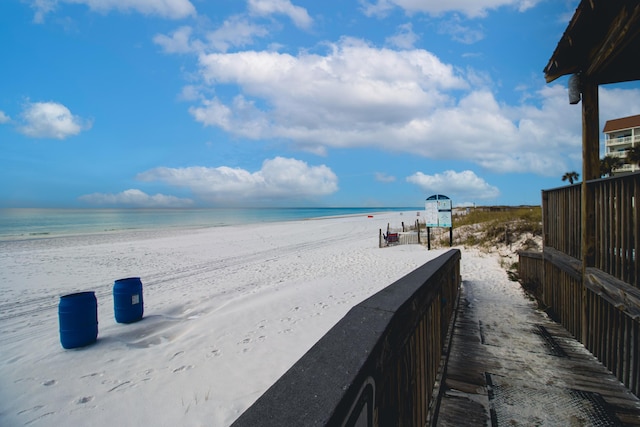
48,223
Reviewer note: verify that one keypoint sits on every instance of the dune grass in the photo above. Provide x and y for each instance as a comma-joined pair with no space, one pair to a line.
482,227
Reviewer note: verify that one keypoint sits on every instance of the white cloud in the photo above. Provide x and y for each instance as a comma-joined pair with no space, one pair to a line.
279,178
4,118
357,95
404,38
213,113
460,32
42,7
135,198
470,8
616,103
297,14
179,41
380,8
171,9
236,31
457,185
383,177
189,93
50,120
325,100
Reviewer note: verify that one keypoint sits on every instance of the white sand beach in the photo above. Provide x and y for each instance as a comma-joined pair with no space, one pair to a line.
226,312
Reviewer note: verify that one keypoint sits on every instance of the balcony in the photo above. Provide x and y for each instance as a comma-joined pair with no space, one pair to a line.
627,140
619,154
624,169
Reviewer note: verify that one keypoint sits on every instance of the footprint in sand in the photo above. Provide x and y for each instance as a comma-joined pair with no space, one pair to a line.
35,408
183,368
215,353
177,354
289,320
118,386
48,383
83,400
95,374
146,375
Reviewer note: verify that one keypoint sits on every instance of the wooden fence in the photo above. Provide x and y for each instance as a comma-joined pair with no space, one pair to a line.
599,304
407,235
561,218
376,367
618,227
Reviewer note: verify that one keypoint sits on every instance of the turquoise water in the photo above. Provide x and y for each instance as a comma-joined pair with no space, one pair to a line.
33,223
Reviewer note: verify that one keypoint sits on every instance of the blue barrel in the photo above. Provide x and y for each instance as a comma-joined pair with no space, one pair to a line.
78,317
127,300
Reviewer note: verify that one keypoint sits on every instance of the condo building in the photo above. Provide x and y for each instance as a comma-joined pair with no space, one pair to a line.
620,135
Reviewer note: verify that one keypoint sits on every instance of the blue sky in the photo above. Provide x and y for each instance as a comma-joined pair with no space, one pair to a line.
193,103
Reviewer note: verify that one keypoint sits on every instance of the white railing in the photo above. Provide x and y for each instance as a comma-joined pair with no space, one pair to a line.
624,168
619,141
622,141
619,154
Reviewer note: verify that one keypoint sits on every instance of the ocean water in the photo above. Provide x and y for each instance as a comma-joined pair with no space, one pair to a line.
35,223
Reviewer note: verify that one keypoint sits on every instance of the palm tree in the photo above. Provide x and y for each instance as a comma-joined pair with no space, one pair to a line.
633,155
571,176
608,164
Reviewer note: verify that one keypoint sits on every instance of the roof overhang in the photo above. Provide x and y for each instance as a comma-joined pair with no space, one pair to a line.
602,43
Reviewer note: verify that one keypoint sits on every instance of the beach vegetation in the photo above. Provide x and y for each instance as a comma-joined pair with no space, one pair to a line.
608,164
496,230
633,155
487,228
503,225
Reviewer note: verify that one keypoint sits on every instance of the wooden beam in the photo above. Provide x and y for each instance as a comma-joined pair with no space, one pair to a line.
622,30
601,42
590,164
590,171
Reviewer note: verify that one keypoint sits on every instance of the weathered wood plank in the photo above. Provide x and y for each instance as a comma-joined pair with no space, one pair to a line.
618,293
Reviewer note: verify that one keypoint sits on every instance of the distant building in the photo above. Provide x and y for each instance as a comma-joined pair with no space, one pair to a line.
620,136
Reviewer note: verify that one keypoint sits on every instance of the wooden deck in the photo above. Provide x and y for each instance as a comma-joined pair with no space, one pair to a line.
525,371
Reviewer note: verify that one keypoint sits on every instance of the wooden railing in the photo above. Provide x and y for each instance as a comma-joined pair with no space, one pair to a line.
530,272
617,217
618,227
599,303
378,366
561,220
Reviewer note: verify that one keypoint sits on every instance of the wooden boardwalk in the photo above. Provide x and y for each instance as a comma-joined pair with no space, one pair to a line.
510,365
